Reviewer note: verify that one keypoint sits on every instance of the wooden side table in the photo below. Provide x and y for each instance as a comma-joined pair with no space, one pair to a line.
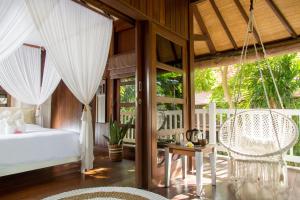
196,152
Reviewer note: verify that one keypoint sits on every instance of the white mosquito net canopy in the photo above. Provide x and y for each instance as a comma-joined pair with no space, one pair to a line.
76,41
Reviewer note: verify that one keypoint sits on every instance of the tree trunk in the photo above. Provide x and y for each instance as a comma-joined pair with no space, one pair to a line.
273,104
227,95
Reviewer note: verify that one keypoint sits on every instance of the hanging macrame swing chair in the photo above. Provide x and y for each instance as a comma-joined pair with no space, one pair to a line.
258,139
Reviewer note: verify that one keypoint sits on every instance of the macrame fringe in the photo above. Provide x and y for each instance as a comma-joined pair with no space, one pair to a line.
258,180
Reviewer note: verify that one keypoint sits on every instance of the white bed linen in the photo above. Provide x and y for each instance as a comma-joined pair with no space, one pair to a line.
38,144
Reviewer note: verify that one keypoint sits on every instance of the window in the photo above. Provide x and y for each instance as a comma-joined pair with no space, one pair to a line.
170,93
4,98
169,84
127,95
127,106
168,52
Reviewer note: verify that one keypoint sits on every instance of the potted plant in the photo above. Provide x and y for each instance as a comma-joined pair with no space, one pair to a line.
115,139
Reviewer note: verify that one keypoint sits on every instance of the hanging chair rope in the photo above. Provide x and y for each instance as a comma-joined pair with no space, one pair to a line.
253,24
250,30
243,57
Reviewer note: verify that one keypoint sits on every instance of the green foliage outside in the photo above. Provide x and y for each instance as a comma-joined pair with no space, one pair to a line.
204,80
169,84
127,94
286,70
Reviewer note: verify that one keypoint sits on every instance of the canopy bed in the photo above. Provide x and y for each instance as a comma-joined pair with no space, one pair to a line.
36,148
76,41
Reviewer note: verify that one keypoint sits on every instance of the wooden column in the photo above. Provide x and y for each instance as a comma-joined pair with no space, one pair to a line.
191,69
143,108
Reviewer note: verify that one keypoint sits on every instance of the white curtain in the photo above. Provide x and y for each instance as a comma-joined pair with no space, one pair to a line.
20,76
77,40
15,25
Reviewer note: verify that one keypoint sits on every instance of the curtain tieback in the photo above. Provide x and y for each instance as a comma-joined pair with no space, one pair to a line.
85,111
38,111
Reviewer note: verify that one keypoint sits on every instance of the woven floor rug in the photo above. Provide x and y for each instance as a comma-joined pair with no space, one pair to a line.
107,193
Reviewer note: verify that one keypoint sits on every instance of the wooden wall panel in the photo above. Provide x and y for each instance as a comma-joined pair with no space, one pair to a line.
172,14
124,41
101,129
65,109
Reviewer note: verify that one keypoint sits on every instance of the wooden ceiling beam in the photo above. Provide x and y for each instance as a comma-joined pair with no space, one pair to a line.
107,9
223,23
86,5
195,2
199,37
246,18
121,25
281,18
204,30
230,57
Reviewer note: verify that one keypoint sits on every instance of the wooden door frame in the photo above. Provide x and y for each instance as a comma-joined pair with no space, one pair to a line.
159,30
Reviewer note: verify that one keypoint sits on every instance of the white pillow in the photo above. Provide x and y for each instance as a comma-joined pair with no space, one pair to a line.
17,115
2,126
29,113
15,123
5,114
3,118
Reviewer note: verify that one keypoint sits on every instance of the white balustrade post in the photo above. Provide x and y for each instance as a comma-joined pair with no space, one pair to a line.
212,123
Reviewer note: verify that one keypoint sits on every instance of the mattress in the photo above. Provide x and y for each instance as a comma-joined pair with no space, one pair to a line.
38,144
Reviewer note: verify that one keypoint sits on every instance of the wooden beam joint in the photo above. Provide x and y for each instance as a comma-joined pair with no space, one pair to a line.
204,30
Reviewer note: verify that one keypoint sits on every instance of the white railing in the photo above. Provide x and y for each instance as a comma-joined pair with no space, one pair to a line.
129,139
170,123
205,118
166,120
208,121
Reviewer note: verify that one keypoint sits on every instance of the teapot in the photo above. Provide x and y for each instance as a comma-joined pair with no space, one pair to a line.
192,135
196,137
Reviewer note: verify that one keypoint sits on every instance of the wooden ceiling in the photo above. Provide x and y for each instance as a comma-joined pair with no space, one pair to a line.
220,25
216,27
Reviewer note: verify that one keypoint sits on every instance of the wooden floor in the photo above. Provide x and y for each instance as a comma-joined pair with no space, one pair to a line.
122,174
106,174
